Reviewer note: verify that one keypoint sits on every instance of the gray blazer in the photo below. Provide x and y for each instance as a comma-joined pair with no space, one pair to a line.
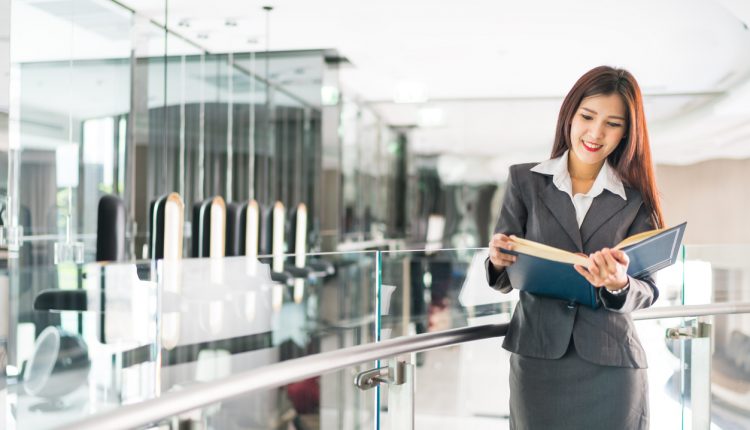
542,327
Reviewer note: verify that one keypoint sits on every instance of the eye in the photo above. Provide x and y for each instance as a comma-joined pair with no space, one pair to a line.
614,124
586,117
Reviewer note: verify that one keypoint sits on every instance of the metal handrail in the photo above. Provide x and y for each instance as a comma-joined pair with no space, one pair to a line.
283,373
691,311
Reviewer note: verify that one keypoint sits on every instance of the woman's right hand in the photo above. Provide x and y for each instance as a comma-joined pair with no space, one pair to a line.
500,259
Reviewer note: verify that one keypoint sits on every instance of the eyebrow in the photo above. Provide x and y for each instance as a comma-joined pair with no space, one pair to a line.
595,112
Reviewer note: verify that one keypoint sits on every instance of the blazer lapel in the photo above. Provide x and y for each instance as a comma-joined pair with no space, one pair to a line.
604,207
559,204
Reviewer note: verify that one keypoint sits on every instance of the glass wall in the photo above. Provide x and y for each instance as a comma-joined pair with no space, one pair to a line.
109,102
106,112
374,159
5,315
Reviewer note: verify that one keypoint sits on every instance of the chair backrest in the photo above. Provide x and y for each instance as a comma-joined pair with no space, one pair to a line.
297,230
110,229
166,211
265,226
252,228
209,228
236,225
156,213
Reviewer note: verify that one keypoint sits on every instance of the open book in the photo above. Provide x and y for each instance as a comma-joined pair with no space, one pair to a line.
548,271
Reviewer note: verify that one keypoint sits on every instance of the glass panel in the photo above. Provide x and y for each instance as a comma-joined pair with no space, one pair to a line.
70,90
429,291
371,158
223,316
679,372
426,291
294,406
86,342
98,336
5,315
323,313
721,274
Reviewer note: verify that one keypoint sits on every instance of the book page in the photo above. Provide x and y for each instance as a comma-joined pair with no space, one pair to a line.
639,237
537,249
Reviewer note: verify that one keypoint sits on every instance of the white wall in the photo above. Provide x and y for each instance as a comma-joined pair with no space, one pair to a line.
712,196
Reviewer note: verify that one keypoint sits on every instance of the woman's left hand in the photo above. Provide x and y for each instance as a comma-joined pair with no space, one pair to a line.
607,268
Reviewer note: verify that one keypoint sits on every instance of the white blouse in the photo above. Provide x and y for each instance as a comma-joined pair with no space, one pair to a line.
606,179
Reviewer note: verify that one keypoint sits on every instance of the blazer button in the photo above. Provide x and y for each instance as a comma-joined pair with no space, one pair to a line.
571,305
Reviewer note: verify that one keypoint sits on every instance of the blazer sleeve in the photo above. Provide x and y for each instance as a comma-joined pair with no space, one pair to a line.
642,291
512,220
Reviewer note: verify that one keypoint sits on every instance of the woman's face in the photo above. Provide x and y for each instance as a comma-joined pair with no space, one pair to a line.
597,128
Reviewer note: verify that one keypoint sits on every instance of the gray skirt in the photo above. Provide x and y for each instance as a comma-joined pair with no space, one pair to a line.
571,393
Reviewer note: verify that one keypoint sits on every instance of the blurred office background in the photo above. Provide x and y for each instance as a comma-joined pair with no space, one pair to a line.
393,122
375,116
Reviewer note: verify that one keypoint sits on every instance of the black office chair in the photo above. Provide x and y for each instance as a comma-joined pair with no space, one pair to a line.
205,222
236,228
110,246
110,229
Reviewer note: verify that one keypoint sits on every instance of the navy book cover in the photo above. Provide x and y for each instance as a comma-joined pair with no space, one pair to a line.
560,280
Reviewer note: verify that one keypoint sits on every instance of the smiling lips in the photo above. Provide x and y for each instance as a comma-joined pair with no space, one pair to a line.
591,147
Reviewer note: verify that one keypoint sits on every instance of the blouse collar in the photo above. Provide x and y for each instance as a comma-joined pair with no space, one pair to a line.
558,168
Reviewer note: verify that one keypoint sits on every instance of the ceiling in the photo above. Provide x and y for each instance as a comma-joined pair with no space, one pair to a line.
484,79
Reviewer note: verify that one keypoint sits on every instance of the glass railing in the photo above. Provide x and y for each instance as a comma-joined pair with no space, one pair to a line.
85,341
91,338
431,291
720,274
468,384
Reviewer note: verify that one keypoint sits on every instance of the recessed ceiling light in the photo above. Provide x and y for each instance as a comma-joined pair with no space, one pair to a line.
410,92
230,23
183,23
202,36
430,117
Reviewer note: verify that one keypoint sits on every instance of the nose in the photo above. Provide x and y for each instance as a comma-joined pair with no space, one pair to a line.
596,130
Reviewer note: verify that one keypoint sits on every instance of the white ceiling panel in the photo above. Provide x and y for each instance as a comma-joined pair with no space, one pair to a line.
497,70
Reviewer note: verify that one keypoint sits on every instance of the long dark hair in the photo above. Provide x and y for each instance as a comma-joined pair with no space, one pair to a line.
632,158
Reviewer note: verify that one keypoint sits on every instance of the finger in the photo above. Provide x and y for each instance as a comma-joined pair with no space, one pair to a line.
601,264
500,259
621,257
497,240
583,272
495,255
609,261
507,262
500,241
500,236
593,266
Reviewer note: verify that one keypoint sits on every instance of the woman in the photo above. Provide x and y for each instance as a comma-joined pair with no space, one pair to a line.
574,367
